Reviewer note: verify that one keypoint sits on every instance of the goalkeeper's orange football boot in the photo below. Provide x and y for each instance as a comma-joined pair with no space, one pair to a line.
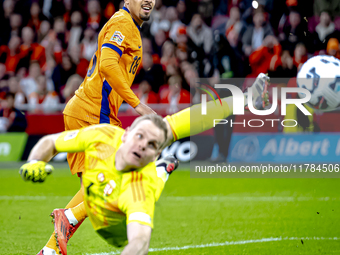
63,229
41,252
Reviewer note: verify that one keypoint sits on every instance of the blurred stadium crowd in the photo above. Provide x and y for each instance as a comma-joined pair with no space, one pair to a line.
46,46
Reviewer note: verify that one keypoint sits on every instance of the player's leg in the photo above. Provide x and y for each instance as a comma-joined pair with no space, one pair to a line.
51,246
76,163
191,121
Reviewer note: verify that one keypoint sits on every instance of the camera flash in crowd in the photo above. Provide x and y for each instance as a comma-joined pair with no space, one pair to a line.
255,4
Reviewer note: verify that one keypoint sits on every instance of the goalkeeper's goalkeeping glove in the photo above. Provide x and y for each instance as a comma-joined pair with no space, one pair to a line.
35,171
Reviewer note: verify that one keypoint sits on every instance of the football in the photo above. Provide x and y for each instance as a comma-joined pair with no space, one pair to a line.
321,76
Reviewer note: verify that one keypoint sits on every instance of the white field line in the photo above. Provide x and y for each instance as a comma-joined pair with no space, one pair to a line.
251,198
30,198
226,243
196,198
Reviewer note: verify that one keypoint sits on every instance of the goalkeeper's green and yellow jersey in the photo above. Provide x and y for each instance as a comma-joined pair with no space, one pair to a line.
112,198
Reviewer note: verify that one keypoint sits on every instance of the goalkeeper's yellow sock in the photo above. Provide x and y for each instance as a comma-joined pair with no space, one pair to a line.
190,121
52,243
76,200
79,212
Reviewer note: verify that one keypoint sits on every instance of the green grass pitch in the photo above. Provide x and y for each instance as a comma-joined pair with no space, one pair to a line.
199,216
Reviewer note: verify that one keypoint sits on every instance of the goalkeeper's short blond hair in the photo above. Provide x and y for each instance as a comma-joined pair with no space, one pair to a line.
155,119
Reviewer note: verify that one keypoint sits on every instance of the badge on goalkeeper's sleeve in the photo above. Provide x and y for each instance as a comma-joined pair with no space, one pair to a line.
35,171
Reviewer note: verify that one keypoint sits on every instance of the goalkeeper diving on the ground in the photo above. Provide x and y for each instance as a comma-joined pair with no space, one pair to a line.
122,181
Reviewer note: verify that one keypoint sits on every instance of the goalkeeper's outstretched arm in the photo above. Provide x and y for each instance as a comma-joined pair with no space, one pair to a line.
45,149
36,169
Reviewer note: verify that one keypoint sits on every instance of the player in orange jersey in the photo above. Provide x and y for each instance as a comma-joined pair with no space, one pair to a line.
111,73
107,84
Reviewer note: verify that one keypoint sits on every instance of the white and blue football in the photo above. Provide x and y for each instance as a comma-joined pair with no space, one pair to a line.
321,76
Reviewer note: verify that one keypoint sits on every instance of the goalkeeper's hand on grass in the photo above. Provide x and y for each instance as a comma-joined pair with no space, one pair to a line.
35,171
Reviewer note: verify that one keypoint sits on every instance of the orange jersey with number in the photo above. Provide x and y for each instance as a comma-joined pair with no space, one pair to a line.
96,100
